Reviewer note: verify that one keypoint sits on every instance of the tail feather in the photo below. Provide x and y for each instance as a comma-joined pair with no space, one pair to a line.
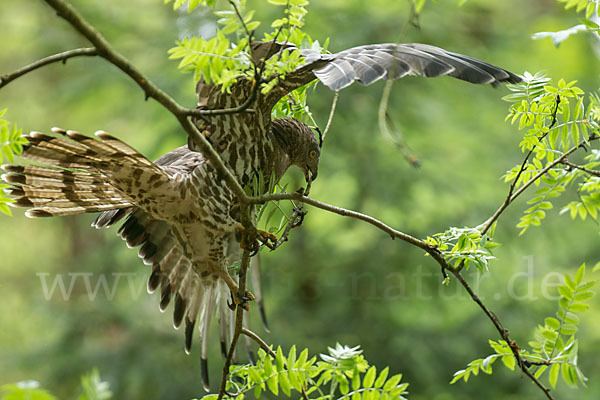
199,297
44,212
77,175
208,307
255,274
34,171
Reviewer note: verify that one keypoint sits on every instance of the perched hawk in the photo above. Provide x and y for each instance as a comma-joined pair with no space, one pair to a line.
178,210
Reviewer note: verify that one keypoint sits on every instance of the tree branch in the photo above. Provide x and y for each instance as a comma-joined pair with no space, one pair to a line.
530,182
60,57
521,170
581,168
263,345
504,333
103,49
106,51
239,320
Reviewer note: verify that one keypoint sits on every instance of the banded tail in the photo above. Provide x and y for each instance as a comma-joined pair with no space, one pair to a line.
79,175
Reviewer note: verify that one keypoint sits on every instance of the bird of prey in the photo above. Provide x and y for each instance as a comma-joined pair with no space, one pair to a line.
177,209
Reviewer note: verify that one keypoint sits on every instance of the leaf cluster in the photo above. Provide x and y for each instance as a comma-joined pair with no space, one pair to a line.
555,347
557,121
227,57
342,374
463,246
11,144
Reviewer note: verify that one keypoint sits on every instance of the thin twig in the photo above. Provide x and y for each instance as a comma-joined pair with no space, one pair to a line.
509,197
263,345
295,220
530,182
504,333
60,57
331,113
581,168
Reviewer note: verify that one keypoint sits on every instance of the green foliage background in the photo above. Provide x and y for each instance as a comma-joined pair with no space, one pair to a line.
337,280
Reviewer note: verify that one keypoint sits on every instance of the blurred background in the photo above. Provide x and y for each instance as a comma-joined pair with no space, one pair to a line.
336,280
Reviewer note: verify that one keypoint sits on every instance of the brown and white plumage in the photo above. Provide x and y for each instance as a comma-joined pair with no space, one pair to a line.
178,210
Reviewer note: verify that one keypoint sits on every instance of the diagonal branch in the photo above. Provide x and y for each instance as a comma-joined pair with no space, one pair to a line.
106,51
504,333
511,189
542,172
431,250
60,57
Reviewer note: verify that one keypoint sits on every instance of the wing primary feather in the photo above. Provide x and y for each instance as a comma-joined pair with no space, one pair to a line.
179,310
189,333
204,372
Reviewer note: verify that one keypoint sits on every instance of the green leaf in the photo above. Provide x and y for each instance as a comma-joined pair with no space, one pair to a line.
254,375
284,382
369,377
94,388
279,360
381,378
257,391
553,377
4,209
509,361
579,274
273,384
568,329
295,380
552,323
579,307
584,296
392,382
301,360
540,371
344,386
569,374
565,292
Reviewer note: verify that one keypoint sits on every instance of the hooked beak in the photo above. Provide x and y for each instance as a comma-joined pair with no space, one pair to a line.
310,176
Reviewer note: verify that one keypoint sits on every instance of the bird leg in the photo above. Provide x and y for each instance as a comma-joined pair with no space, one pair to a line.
264,237
236,297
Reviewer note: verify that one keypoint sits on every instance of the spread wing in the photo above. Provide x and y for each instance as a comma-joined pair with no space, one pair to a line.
370,63
195,298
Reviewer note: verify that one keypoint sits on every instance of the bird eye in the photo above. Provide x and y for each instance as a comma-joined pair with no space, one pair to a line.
312,154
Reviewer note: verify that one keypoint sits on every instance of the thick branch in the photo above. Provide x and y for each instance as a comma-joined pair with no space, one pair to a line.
106,51
60,57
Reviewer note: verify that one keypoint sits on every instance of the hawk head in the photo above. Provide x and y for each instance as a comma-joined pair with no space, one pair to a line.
295,144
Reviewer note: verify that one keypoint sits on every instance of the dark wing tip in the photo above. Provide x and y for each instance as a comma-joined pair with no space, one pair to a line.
189,333
224,349
165,297
154,279
263,315
204,373
179,311
34,212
